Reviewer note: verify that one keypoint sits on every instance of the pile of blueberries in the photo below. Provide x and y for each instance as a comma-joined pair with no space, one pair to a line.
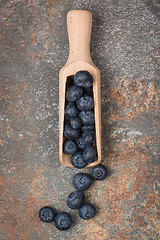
80,136
76,200
79,129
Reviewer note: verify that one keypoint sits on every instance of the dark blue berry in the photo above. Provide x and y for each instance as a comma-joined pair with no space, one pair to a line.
86,140
85,103
87,211
75,122
76,199
99,172
87,128
47,214
82,181
63,221
78,161
70,147
71,111
83,79
71,133
87,117
90,154
74,93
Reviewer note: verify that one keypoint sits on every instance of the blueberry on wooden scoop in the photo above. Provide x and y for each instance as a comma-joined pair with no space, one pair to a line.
70,147
86,140
83,79
71,111
85,103
78,161
74,93
87,118
90,154
71,133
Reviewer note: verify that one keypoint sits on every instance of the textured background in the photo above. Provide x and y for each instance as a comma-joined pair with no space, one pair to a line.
124,46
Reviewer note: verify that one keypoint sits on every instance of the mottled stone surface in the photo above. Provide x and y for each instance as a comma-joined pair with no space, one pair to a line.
34,46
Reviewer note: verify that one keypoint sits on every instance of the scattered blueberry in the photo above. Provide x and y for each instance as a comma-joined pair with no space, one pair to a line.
63,221
78,161
47,214
99,172
87,211
75,122
90,154
85,103
87,128
70,147
71,111
82,181
71,133
87,117
83,79
76,199
74,93
85,140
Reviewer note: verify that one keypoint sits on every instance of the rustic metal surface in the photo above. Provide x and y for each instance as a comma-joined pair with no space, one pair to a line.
34,46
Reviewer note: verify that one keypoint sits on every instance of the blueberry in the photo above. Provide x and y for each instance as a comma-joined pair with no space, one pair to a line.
85,140
90,154
78,161
87,211
76,199
63,221
47,214
70,147
87,117
74,93
85,103
71,133
71,111
99,172
88,90
87,128
83,79
75,122
82,181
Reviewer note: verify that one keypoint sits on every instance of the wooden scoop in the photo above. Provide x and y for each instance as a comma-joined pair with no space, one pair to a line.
79,23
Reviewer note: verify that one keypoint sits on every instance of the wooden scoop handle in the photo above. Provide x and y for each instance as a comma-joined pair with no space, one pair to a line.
79,23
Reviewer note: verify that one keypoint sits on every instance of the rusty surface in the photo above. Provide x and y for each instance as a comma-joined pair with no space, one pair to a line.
34,46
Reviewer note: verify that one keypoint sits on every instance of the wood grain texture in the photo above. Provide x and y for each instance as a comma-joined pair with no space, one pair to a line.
79,23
